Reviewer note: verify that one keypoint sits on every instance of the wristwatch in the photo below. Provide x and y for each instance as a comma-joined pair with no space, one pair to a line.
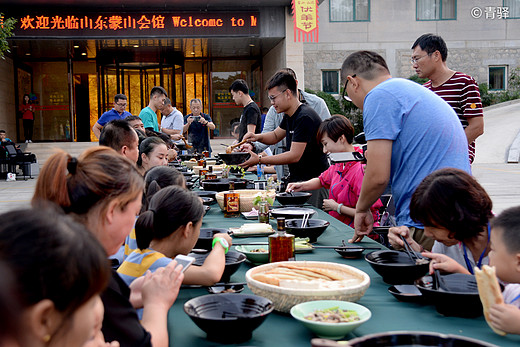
223,243
259,159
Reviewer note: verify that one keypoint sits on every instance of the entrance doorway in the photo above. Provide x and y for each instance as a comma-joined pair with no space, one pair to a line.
136,80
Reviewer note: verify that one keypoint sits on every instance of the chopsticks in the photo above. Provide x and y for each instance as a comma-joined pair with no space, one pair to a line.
345,247
250,244
305,219
409,250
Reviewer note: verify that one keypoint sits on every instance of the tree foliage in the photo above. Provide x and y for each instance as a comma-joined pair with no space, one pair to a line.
6,31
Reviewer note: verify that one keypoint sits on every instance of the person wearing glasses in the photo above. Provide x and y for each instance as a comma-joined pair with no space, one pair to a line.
299,127
410,132
118,112
273,119
459,90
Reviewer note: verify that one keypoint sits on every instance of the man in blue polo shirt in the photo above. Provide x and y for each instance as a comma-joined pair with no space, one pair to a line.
118,112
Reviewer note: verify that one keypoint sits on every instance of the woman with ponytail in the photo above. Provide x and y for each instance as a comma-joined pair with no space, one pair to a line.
103,190
171,226
155,179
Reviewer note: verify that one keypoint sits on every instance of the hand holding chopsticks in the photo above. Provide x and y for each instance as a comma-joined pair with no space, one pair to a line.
409,250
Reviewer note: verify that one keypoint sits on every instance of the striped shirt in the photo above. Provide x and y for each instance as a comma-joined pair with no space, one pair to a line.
139,261
462,94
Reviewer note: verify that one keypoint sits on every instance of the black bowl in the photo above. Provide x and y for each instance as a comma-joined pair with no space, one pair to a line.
187,157
396,267
233,261
415,338
296,198
206,193
207,201
206,237
229,318
221,184
313,229
350,253
292,212
189,185
406,293
459,298
234,158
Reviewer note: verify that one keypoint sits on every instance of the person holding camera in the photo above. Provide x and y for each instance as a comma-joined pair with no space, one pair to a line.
197,126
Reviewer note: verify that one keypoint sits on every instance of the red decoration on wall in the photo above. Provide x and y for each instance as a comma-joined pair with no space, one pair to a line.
305,14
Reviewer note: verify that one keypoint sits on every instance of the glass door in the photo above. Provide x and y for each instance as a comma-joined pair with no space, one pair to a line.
136,82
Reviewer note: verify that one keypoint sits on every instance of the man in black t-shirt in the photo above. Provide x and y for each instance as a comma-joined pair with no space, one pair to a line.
299,126
251,118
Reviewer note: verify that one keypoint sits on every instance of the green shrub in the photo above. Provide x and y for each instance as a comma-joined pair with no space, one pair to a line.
417,79
343,107
486,97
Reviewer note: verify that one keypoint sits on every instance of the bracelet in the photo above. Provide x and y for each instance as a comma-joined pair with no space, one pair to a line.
339,208
223,243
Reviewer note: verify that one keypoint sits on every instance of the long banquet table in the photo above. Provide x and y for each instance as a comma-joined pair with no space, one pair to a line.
388,314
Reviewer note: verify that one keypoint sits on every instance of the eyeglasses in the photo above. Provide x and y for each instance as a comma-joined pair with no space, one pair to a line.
272,98
344,94
416,59
121,105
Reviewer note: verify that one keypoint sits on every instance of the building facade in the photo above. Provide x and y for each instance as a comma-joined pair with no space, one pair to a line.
483,37
74,59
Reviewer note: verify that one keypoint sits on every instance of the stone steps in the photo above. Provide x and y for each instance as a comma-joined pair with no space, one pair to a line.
43,150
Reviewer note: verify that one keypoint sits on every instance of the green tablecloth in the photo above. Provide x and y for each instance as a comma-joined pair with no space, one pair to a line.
388,314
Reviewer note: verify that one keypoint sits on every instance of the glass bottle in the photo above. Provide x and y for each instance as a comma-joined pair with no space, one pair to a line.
263,212
231,202
210,175
281,245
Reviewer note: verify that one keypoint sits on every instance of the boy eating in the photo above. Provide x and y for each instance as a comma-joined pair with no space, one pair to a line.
505,257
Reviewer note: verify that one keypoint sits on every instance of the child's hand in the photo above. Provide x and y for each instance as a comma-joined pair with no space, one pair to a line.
226,237
136,297
162,286
329,205
294,187
505,317
444,263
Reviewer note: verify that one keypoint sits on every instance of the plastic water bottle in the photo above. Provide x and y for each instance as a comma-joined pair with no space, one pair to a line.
259,171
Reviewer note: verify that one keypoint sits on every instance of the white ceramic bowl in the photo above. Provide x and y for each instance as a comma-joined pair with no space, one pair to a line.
330,330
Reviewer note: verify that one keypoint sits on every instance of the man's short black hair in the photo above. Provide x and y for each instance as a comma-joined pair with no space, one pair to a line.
431,43
283,80
234,127
365,64
132,117
2,131
116,134
120,97
239,85
158,91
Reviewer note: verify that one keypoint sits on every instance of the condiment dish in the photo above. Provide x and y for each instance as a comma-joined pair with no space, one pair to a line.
325,329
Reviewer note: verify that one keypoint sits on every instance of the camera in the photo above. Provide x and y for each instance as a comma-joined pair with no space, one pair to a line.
196,118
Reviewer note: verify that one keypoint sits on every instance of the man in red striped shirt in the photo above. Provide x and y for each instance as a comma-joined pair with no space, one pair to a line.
459,90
